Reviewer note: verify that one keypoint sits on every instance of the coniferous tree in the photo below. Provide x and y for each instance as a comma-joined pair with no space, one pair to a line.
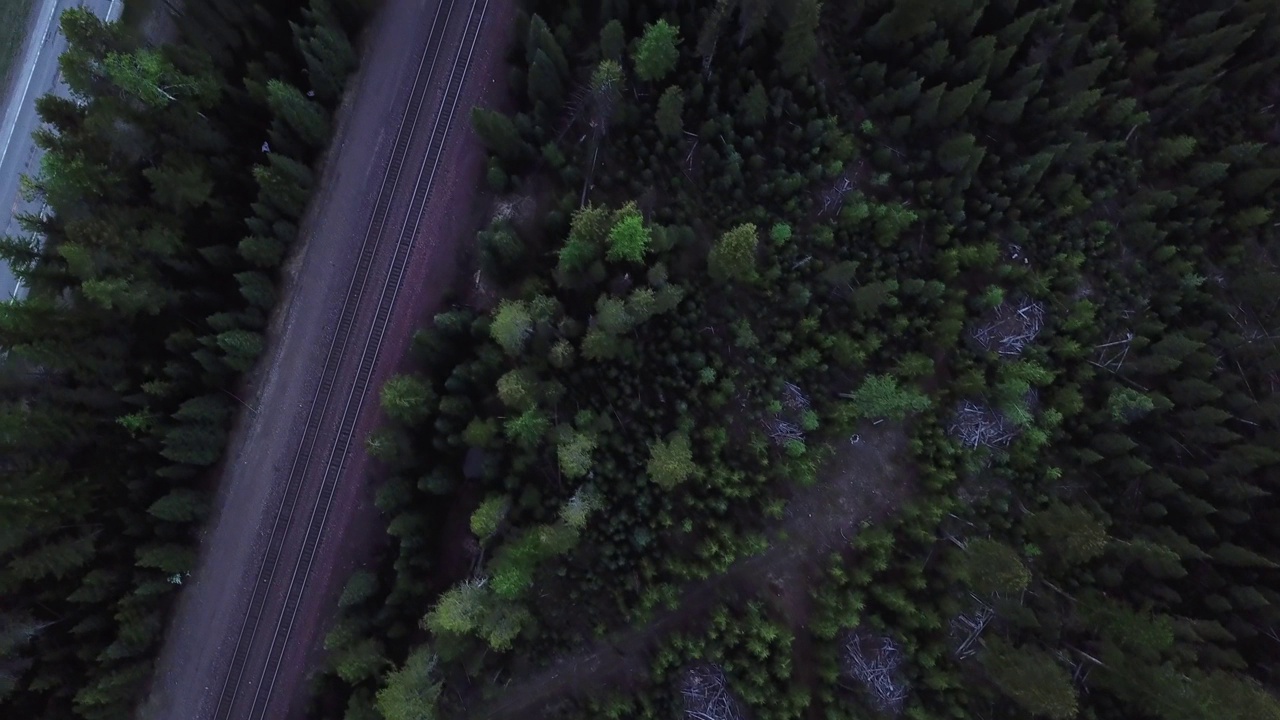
656,51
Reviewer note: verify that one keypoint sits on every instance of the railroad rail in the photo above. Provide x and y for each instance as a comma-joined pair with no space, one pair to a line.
342,340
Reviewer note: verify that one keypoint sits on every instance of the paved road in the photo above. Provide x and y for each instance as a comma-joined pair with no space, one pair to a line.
35,76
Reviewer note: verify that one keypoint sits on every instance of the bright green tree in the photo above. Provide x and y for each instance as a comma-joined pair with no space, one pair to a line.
573,450
733,258
411,693
656,51
517,388
880,396
528,428
1126,404
671,461
489,516
151,78
629,238
407,398
512,326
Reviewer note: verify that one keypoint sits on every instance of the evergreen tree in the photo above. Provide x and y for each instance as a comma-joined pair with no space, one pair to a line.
1031,678
512,326
411,692
880,396
407,398
498,134
303,116
755,107
671,461
733,258
613,41
800,41
629,238
991,566
656,51
670,110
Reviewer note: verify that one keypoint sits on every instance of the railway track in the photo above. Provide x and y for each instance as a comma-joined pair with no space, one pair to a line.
341,343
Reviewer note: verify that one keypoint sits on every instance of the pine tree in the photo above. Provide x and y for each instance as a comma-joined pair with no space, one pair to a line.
990,566
512,326
407,398
671,461
528,428
733,258
180,505
755,106
629,238
573,450
670,110
517,388
411,693
613,41
800,41
612,315
257,288
545,85
1071,532
541,39
1031,678
606,93
263,252
242,348
499,134
488,517
880,396
656,51
303,116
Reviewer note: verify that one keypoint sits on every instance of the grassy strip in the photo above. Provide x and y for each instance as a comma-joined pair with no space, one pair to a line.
15,17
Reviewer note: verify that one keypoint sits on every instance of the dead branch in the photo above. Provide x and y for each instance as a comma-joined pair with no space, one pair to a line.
979,425
706,694
1111,354
781,430
833,196
795,398
1011,328
968,627
876,663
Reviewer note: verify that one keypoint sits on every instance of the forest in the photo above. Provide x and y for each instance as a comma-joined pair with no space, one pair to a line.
819,360
847,359
174,177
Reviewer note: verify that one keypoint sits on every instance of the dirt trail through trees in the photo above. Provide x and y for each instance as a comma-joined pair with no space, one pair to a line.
861,482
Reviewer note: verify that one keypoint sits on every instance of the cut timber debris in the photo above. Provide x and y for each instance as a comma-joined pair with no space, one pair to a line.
966,628
1010,328
876,663
979,425
706,694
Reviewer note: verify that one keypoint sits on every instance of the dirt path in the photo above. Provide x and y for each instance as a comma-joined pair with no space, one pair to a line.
206,622
861,482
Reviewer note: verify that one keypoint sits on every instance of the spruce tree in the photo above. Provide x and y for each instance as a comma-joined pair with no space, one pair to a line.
656,51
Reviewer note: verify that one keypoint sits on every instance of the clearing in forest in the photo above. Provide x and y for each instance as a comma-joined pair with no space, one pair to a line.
862,480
